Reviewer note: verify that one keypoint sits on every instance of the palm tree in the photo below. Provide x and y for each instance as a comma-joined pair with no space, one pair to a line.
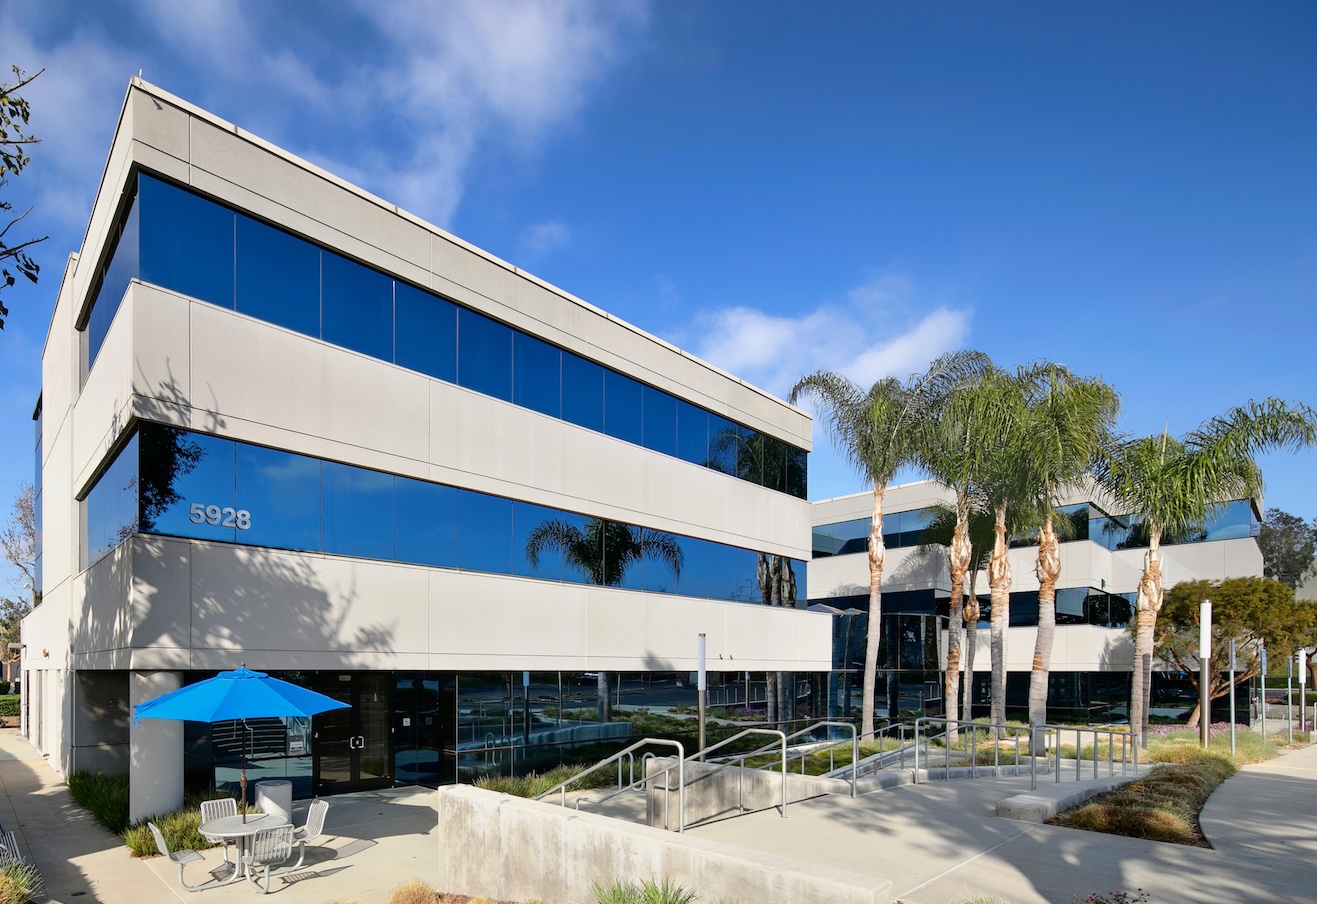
952,451
603,550
1175,485
1068,420
878,432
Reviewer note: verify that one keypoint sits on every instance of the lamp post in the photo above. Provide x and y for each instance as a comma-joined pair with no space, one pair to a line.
1303,689
1204,673
702,689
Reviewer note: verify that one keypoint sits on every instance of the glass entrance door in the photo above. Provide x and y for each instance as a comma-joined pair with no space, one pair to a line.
351,746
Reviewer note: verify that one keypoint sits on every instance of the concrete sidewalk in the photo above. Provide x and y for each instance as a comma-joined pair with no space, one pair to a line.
373,842
941,843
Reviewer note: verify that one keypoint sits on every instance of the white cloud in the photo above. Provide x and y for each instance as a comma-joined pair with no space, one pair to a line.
878,330
541,238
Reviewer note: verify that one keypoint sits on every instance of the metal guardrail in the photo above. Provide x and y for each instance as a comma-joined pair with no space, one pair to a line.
957,731
740,758
561,787
1055,733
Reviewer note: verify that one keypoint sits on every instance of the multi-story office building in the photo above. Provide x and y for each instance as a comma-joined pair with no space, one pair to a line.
1101,562
284,423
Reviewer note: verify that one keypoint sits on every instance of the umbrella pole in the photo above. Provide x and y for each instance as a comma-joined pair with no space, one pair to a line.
242,781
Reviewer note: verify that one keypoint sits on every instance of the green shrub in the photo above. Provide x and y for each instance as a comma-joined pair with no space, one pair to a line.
105,797
19,883
5,686
534,784
647,892
9,705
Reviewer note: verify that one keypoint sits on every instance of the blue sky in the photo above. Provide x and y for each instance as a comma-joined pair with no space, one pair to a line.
1126,188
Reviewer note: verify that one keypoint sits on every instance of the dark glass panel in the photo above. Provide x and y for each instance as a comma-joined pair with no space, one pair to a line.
751,453
278,277
775,464
111,505
797,472
732,574
121,267
543,541
801,572
1233,521
582,392
1122,609
1070,605
187,485
425,528
659,425
484,355
426,333
187,242
537,375
913,525
484,532
1024,608
583,556
282,492
724,444
622,407
357,511
694,578
692,433
356,307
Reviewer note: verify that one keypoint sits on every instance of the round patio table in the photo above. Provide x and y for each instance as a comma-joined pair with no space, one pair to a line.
233,827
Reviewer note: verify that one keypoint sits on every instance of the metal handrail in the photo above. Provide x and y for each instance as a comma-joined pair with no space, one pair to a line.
561,787
829,746
951,727
1126,744
742,757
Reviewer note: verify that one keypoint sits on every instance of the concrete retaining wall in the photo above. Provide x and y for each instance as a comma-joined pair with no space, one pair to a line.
515,850
713,791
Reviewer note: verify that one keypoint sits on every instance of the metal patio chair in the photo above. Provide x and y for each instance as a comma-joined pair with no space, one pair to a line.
217,809
265,851
312,829
178,858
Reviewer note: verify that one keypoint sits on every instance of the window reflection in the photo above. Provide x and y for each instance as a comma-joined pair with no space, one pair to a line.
357,507
187,484
537,375
659,430
484,532
426,332
484,355
357,307
622,401
583,392
692,433
278,277
186,242
426,523
120,268
282,492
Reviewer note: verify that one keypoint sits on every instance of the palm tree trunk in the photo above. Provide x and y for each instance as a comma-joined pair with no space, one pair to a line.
971,642
1146,605
770,699
958,555
876,555
1049,569
605,697
999,584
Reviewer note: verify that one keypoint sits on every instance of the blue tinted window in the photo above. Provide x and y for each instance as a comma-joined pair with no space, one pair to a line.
187,242
426,333
1232,521
692,433
543,540
664,560
582,392
356,511
797,472
724,444
484,355
622,401
732,574
282,492
801,573
278,277
484,532
111,505
659,430
357,307
582,551
122,266
694,577
187,484
426,523
751,450
537,374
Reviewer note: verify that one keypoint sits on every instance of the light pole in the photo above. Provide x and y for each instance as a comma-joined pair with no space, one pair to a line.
702,689
1204,673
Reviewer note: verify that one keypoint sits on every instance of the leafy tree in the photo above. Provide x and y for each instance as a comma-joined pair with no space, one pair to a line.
1288,544
1254,612
14,113
1069,418
877,431
18,546
1175,484
603,550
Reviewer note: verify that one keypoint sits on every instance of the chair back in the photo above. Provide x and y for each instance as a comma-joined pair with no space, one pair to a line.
218,809
159,839
315,819
272,845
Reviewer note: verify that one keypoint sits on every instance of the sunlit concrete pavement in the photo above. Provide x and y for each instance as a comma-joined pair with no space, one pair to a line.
373,842
941,843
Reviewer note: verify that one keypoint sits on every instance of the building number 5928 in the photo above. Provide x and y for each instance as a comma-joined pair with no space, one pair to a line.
220,517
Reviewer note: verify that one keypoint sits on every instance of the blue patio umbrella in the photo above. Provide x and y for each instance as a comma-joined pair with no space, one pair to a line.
237,695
